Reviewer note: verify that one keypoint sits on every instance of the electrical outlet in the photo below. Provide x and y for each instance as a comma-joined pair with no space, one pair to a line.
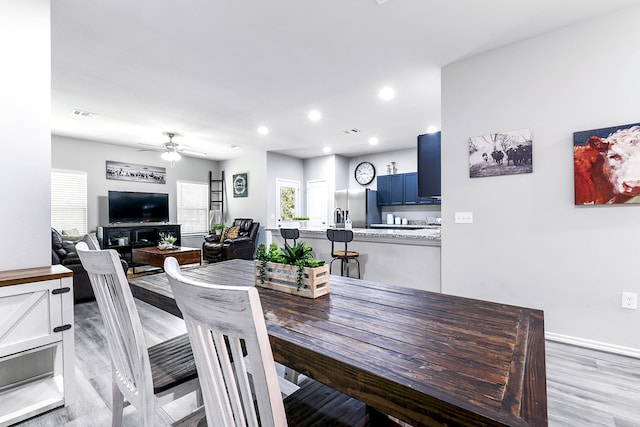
464,218
629,300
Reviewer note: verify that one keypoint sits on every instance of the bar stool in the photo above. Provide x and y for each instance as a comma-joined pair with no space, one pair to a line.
342,236
290,233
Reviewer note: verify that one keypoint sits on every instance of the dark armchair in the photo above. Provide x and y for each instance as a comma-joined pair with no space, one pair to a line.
64,252
241,247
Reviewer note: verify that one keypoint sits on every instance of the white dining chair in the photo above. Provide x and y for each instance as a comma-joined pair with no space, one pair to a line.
220,320
91,241
148,378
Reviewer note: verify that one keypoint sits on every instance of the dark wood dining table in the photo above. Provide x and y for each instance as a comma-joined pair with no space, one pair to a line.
424,358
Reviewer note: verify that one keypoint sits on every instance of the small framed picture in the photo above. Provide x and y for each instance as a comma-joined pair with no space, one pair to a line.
240,185
501,153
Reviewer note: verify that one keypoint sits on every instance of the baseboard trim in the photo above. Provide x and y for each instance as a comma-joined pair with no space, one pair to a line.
594,345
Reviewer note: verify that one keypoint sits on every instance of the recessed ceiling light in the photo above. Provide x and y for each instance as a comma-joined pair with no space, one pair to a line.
326,149
387,93
432,129
263,130
373,140
315,115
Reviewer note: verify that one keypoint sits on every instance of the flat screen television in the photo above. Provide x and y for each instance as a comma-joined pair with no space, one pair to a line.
130,206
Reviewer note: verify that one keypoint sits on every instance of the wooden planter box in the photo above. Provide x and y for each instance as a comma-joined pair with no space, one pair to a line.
282,277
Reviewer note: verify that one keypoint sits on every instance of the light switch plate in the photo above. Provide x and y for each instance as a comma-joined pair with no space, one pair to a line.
464,218
629,300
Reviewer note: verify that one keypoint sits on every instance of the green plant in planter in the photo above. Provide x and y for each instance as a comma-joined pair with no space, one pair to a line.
217,228
298,255
167,239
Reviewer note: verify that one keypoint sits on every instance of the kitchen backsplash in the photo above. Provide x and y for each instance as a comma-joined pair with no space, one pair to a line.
414,214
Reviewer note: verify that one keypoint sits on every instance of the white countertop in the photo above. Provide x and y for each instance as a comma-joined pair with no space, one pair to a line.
431,234
405,226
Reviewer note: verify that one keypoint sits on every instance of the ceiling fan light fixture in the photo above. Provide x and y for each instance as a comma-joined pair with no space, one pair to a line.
171,156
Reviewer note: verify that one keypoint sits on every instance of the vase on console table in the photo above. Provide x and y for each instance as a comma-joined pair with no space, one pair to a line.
166,241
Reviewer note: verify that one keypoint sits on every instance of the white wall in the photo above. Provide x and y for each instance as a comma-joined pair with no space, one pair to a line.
254,164
529,245
91,156
25,111
341,172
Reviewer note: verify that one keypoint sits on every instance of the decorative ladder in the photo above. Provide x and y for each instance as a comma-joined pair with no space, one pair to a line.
216,197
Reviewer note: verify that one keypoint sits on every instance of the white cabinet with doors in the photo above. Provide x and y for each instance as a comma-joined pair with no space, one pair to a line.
36,342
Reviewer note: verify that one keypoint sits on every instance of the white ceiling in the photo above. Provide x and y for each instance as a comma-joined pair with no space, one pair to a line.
212,71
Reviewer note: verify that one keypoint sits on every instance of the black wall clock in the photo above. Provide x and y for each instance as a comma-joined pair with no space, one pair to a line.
365,172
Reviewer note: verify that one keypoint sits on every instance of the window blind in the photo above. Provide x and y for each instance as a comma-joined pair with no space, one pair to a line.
69,200
193,207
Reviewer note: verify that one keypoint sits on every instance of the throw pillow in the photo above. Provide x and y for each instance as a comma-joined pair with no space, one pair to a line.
223,236
233,232
72,235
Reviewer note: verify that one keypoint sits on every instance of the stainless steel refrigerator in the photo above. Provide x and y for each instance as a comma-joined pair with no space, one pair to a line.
361,205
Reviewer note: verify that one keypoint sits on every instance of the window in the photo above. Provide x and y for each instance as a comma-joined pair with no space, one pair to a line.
193,209
69,200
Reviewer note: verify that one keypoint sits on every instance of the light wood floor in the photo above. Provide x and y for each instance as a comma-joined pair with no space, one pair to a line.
584,387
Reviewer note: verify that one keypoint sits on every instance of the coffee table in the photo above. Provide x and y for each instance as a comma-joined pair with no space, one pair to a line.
155,256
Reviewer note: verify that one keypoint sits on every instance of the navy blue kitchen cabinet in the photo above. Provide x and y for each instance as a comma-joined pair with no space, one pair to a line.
429,165
400,189
390,190
411,188
396,189
411,191
383,189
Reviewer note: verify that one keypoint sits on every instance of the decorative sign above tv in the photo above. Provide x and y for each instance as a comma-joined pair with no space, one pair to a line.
240,185
606,165
505,153
135,207
139,173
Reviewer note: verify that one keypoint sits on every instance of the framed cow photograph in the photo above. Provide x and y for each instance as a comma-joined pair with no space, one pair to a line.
606,165
501,153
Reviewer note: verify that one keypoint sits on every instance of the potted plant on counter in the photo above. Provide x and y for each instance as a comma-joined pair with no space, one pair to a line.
291,269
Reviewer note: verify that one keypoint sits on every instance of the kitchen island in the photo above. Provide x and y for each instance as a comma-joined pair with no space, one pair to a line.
403,257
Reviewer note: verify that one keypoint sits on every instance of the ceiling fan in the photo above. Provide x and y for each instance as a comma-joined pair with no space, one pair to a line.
171,150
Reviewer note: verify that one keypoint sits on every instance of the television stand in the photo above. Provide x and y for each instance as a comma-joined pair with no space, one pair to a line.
124,238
